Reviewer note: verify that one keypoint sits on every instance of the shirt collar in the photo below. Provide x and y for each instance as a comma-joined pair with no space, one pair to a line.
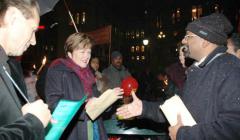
217,52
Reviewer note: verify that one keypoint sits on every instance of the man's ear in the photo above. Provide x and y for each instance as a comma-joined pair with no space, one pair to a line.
11,16
69,55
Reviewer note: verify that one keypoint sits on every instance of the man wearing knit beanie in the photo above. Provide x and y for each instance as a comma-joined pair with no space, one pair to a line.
115,72
212,88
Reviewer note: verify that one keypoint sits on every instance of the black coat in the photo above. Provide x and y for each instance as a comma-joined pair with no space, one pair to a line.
12,124
63,83
18,77
212,95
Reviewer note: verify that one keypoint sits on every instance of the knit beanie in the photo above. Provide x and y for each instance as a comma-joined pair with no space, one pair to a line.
213,28
115,54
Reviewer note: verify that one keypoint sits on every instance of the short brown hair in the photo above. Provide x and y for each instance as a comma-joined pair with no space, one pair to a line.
78,41
25,6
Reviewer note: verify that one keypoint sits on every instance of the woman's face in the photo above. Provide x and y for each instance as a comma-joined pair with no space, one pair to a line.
95,63
81,56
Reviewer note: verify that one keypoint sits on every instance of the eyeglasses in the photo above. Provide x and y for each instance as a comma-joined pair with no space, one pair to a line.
188,36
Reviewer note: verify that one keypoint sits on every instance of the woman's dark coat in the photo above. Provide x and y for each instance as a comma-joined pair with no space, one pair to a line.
63,83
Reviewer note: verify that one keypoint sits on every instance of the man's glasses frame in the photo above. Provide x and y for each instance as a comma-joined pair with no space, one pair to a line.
188,36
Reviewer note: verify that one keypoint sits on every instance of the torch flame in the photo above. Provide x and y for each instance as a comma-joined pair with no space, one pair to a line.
43,63
44,60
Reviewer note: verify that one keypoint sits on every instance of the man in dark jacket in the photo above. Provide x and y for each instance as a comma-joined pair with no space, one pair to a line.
234,45
211,91
19,21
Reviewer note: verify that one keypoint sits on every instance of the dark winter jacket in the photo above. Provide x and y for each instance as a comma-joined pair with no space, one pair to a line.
12,124
212,95
63,83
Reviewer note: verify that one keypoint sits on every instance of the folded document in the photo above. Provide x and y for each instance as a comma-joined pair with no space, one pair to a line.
62,115
101,103
174,106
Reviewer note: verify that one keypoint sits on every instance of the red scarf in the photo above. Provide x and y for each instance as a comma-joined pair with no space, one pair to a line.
84,74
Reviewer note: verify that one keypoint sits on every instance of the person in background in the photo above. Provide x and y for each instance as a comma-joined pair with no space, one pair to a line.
19,21
100,80
211,91
234,45
116,72
30,79
71,78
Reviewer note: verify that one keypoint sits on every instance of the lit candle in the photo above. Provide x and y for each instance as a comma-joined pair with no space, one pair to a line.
43,63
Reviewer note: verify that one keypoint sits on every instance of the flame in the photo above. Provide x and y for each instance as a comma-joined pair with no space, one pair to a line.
165,82
44,60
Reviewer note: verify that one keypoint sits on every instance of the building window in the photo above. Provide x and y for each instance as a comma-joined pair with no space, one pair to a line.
132,49
142,34
137,58
133,57
178,14
137,34
83,17
137,48
132,34
173,18
196,12
143,57
142,48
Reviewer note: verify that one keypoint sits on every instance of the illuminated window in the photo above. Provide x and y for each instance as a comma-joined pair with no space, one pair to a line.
133,57
137,58
173,18
143,57
196,12
133,34
142,48
178,14
132,49
137,34
142,34
83,17
137,49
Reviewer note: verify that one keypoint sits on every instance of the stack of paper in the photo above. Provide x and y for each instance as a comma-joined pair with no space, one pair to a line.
101,103
174,106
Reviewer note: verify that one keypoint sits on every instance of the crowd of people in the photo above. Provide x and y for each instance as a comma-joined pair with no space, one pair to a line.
209,87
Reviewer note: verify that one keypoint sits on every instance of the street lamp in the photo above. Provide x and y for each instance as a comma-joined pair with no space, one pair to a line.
145,42
161,35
